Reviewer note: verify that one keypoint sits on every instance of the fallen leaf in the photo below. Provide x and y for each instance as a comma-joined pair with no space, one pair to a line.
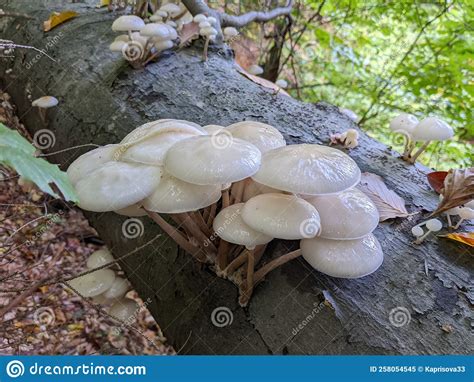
436,180
246,51
57,18
388,203
462,237
458,189
262,81
188,34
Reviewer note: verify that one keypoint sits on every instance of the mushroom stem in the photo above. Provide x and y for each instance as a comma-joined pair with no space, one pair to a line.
176,236
450,223
203,241
420,150
259,251
267,268
151,58
235,264
212,215
247,285
238,191
225,198
459,223
201,223
205,213
222,252
206,47
42,114
420,239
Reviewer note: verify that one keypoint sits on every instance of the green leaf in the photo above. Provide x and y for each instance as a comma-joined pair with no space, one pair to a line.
17,153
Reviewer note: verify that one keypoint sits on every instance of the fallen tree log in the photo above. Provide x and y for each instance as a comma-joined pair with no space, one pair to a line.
401,309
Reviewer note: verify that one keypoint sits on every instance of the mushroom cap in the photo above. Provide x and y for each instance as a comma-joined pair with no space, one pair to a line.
466,213
124,309
117,185
208,31
405,122
99,258
208,160
347,215
199,18
142,40
175,196
204,24
122,37
253,188
171,9
282,83
432,129
255,70
93,284
45,102
264,136
308,169
163,45
230,32
155,30
133,210
228,225
117,46
91,161
156,18
349,113
118,289
349,259
282,216
128,23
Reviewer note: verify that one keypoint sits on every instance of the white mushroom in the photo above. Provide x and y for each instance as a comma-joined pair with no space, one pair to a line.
264,136
282,216
45,102
348,259
199,18
116,185
117,46
118,289
430,129
465,213
229,226
230,32
93,284
255,70
125,309
432,225
349,113
175,196
212,160
346,216
282,83
128,24
308,169
171,9
99,258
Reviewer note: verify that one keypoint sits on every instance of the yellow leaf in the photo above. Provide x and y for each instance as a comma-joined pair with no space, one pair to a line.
75,327
462,237
103,3
57,18
44,289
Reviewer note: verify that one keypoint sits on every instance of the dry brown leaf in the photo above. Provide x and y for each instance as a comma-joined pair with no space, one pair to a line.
188,34
246,51
57,18
262,81
388,203
462,237
458,189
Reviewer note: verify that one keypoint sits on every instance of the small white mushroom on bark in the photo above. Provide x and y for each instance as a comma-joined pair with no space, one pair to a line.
99,258
264,136
282,83
117,46
171,9
348,139
350,114
255,70
93,284
199,18
404,124
432,225
230,33
44,103
128,24
465,213
125,309
118,289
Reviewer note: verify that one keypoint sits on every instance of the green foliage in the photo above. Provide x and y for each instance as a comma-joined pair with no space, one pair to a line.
380,58
17,153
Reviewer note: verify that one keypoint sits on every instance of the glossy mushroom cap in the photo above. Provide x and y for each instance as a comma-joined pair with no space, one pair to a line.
175,196
347,215
124,309
118,289
208,160
432,129
171,9
308,169
45,102
99,258
160,31
349,113
230,32
264,136
128,23
404,122
282,83
281,216
213,129
117,46
93,284
255,70
91,161
228,225
347,259
117,185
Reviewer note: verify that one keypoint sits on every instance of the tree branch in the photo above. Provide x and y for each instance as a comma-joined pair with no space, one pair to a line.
255,16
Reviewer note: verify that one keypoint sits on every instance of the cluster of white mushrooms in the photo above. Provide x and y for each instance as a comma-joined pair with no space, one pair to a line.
105,287
230,191
427,130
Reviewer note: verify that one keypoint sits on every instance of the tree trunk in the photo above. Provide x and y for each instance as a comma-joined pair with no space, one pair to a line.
297,310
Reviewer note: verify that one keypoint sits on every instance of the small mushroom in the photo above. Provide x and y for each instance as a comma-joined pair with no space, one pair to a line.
282,83
404,124
465,213
171,9
99,258
212,160
230,33
350,114
430,129
128,24
229,226
348,215
349,259
308,169
255,70
118,289
93,284
44,103
264,136
199,18
117,46
125,310
348,139
432,225
282,216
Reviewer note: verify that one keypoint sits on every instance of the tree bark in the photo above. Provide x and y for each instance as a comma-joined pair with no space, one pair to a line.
297,310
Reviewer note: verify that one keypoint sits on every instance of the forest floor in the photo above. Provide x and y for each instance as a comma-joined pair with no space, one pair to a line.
42,237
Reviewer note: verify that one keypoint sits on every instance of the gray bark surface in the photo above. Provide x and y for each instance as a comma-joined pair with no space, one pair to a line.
102,99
